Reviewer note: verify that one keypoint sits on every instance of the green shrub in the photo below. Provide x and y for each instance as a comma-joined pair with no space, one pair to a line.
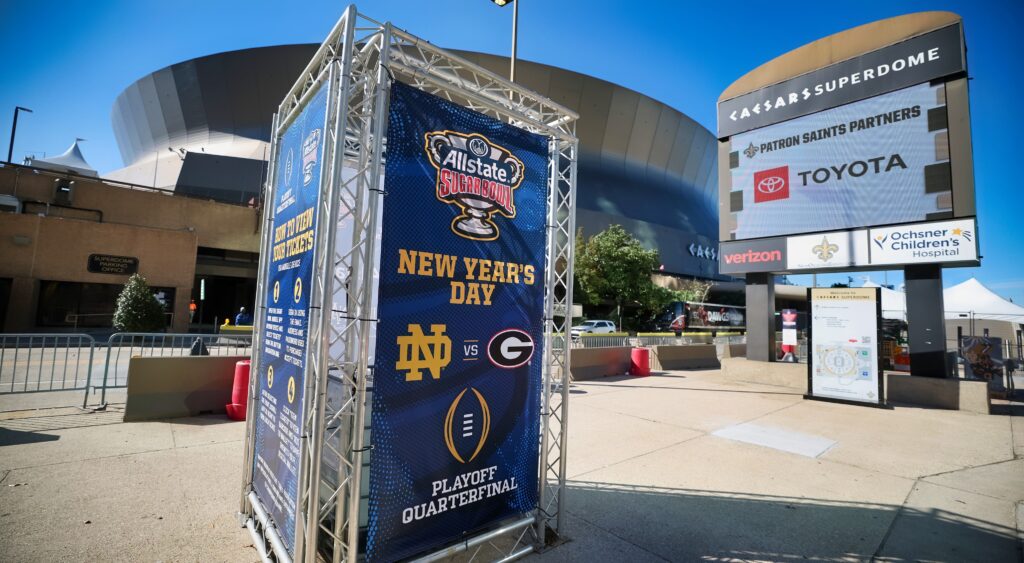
138,310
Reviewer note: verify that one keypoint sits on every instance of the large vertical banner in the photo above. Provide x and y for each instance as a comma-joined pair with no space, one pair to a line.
983,359
456,396
843,363
285,333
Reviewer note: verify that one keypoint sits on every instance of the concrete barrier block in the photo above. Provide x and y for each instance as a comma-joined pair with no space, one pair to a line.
593,363
793,376
179,386
695,356
943,393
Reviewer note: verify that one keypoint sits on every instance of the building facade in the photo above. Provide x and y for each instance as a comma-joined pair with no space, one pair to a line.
195,138
203,127
76,240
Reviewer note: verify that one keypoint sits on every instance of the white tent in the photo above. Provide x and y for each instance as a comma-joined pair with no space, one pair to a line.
894,303
967,300
71,161
971,299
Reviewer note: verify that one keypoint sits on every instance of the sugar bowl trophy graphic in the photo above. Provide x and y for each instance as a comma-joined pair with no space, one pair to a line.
476,175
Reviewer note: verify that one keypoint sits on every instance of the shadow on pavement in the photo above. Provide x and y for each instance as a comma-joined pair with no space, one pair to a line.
1007,409
694,525
201,420
10,437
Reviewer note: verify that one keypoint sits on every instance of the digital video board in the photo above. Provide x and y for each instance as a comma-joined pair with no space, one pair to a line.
879,161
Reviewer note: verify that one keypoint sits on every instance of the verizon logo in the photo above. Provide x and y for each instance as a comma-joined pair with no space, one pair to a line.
752,256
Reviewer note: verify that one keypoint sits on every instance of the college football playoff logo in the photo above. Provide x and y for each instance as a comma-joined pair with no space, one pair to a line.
478,176
467,425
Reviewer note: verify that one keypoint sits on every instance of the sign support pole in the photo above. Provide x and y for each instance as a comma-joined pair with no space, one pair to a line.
926,322
761,317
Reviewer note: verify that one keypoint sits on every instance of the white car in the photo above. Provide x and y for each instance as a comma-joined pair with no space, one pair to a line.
592,327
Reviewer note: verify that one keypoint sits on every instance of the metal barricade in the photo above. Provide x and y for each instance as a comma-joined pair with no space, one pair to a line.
661,340
122,346
600,341
685,339
33,363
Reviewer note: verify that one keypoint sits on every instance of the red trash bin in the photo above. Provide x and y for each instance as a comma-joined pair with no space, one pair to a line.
239,392
640,362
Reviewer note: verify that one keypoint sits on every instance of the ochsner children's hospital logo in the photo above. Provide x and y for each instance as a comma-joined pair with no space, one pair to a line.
478,176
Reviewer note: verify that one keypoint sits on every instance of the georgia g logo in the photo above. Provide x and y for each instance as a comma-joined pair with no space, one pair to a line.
478,176
510,348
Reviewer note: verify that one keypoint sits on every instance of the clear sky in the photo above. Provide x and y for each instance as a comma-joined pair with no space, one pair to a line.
68,61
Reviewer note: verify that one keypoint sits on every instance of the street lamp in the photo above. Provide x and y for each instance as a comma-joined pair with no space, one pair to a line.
515,24
14,129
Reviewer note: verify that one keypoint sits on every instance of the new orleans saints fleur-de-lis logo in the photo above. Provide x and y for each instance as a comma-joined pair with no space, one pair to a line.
750,151
826,250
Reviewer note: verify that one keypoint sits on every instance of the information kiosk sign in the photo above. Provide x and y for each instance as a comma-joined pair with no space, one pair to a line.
457,384
844,335
285,327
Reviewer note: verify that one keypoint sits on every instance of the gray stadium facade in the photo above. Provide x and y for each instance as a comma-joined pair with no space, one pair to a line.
203,127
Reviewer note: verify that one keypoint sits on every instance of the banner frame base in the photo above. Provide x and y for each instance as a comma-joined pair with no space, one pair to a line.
885,406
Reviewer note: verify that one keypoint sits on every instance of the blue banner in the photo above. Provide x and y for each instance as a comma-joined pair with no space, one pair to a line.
284,338
457,380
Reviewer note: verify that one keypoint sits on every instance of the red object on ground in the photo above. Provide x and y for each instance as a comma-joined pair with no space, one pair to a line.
239,392
640,362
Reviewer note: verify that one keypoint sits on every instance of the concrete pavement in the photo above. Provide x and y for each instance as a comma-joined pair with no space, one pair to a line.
649,480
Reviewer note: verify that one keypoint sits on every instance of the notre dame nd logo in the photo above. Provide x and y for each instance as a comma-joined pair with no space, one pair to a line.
478,176
418,351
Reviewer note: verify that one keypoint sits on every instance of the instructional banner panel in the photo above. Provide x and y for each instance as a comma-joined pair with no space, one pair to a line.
285,324
456,400
843,362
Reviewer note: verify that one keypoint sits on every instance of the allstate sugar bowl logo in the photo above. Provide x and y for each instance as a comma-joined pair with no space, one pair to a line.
310,154
478,176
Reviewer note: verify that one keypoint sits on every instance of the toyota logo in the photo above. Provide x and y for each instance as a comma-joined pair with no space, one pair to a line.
770,185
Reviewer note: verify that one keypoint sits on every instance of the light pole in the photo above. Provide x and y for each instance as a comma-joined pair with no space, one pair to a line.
515,25
14,129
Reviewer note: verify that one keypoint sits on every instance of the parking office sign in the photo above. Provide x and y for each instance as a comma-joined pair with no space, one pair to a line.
285,329
457,380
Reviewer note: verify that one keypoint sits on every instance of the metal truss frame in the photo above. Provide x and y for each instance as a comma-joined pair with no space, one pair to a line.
361,57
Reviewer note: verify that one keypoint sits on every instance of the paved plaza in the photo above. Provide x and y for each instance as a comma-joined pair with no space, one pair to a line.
680,466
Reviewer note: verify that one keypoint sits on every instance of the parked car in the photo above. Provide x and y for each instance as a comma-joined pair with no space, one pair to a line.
592,327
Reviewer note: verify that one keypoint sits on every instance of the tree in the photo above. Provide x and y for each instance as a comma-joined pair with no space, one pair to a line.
694,290
138,310
613,267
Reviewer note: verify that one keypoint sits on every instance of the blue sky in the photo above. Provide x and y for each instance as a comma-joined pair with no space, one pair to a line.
68,61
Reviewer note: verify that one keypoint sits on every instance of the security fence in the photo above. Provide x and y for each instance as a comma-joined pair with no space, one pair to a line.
34,363
655,339
1008,349
123,346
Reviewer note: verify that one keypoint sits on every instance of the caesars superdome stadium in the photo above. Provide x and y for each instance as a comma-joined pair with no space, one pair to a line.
203,127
